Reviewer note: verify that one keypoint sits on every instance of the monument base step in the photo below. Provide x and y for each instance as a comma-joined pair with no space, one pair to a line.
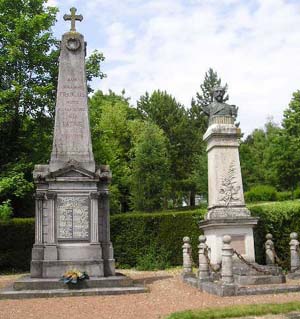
27,287
259,279
24,294
28,283
235,289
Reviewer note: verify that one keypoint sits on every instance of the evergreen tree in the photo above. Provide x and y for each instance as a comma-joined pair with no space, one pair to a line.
150,167
163,109
288,151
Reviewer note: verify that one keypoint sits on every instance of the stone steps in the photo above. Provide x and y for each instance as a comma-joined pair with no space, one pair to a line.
27,283
52,293
272,289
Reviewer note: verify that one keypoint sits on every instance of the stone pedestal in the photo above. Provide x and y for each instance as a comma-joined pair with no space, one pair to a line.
227,213
72,222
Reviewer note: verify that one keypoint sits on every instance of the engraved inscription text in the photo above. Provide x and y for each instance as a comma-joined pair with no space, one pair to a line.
73,217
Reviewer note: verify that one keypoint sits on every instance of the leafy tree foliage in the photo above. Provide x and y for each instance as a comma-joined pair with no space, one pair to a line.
92,65
28,81
257,156
163,109
28,67
287,154
109,116
150,167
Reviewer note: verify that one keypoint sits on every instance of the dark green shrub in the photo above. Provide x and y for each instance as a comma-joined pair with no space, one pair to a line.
145,235
155,258
280,219
283,196
261,193
297,193
16,240
6,210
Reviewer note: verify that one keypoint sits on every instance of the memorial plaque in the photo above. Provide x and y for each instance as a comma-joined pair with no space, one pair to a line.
238,243
73,217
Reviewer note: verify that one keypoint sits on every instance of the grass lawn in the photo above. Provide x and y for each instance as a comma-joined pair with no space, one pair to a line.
237,311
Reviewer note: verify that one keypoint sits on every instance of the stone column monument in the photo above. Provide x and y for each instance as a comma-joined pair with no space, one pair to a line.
227,213
72,205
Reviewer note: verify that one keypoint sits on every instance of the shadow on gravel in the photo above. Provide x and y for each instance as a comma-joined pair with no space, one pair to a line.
150,280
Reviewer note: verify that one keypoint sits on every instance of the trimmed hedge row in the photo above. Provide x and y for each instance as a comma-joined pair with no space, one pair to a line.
16,240
141,239
265,193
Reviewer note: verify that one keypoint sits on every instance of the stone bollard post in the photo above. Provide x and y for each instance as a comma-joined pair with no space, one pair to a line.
203,273
227,254
269,247
187,257
294,247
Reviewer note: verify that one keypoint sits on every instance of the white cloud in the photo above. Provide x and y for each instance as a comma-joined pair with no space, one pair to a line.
170,44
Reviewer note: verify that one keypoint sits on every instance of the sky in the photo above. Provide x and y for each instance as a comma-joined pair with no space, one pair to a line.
254,45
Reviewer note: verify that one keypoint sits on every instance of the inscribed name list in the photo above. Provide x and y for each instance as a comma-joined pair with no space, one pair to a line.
73,217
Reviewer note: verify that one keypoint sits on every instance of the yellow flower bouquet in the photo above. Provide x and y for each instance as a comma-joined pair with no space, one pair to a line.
73,276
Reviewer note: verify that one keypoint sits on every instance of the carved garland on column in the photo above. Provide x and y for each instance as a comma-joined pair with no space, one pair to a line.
229,191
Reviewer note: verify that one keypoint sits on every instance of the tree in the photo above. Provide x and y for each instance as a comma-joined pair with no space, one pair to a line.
257,156
110,115
163,110
287,154
150,167
28,81
28,63
93,67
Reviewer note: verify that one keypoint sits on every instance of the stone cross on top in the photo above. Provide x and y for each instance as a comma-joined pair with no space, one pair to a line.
73,17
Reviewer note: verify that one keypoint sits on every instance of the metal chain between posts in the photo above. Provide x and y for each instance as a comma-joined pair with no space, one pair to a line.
277,259
241,258
210,266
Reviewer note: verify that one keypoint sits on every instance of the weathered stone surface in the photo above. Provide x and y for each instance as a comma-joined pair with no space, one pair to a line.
27,283
72,138
57,293
72,202
215,229
187,256
294,249
225,187
227,213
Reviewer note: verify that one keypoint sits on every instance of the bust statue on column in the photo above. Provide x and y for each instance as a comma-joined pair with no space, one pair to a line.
218,108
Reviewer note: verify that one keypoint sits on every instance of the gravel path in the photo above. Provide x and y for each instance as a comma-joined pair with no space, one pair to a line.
167,294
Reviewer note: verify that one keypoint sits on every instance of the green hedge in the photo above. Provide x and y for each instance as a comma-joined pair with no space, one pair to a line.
145,239
261,193
265,193
280,219
152,236
16,240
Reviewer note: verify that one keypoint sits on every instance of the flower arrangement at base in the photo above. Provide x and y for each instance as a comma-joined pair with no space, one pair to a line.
74,276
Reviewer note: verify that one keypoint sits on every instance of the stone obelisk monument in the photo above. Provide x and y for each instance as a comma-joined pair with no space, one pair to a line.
72,205
227,213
